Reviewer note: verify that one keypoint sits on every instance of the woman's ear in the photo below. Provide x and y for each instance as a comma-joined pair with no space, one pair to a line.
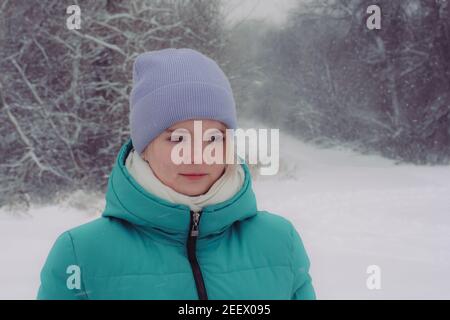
144,158
142,154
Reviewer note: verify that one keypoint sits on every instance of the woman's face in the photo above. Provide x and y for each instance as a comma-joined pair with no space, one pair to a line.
191,179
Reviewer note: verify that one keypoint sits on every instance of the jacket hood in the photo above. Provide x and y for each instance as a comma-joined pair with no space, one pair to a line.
127,200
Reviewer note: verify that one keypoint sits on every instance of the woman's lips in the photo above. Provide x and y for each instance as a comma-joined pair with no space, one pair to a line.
193,176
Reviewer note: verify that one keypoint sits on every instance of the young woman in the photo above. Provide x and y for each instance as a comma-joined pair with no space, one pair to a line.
178,231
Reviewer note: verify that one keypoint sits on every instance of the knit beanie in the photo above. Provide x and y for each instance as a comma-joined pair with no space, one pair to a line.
172,85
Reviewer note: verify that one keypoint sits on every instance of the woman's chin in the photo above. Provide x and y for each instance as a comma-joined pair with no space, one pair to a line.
192,190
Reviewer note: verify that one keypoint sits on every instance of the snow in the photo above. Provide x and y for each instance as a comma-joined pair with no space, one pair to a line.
25,241
351,211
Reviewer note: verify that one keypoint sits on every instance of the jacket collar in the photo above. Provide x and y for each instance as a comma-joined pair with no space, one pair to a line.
127,200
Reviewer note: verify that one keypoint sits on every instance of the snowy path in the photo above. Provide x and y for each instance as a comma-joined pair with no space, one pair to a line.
351,211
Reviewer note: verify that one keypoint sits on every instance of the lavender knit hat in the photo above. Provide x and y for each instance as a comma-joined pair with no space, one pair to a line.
172,85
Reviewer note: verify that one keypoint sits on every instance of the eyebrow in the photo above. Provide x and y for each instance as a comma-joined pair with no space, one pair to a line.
172,130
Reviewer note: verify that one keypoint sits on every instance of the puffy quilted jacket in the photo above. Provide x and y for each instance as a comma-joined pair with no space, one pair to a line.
144,247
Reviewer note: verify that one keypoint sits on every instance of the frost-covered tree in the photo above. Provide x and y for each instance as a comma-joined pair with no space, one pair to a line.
384,90
64,93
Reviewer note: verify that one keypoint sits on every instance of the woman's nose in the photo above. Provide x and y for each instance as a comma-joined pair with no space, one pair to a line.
197,150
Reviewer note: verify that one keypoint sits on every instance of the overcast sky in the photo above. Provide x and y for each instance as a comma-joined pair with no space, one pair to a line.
272,10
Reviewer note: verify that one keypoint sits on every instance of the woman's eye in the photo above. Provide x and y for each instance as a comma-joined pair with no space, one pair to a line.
176,138
215,138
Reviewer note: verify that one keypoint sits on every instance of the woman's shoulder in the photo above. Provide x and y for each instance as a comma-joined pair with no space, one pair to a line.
271,222
269,227
271,236
101,230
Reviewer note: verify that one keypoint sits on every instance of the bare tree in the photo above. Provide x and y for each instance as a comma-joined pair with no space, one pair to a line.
384,90
64,93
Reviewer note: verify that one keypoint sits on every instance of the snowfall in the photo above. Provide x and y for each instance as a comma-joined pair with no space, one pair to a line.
352,211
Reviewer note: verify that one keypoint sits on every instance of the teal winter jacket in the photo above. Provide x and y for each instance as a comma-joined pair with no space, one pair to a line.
144,247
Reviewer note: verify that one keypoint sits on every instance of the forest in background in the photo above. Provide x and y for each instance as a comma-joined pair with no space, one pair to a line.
323,76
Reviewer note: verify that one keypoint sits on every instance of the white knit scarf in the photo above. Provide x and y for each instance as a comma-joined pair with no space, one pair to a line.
224,188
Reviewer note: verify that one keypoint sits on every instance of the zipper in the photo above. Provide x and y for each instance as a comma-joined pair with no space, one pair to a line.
191,246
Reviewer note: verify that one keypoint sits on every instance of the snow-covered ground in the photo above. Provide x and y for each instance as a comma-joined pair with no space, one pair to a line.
351,210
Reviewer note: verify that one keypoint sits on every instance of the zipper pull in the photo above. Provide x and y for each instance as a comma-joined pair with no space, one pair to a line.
195,218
